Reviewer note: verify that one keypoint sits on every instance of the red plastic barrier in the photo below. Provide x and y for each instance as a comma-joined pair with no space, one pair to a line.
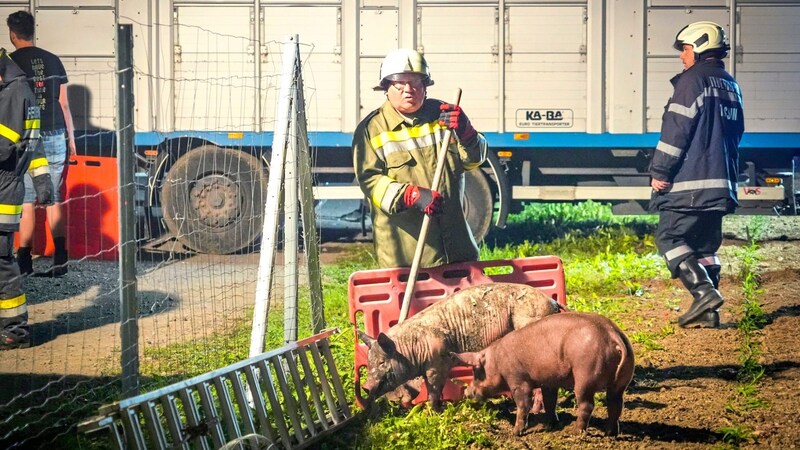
375,297
90,211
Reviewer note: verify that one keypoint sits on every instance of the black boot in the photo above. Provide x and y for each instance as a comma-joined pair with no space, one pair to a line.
714,274
24,260
706,296
60,258
710,318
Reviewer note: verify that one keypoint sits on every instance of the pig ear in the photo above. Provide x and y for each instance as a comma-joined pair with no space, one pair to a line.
467,359
365,338
386,343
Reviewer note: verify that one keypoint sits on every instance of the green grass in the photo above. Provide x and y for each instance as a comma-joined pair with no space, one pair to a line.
608,262
746,395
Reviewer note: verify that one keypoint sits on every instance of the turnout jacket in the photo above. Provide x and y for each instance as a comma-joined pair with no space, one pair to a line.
698,151
20,147
390,152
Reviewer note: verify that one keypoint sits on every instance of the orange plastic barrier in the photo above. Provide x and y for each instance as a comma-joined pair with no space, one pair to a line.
375,297
90,210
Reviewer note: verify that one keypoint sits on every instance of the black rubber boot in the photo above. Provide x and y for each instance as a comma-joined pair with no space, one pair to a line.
706,296
707,319
710,318
60,259
15,336
714,274
24,260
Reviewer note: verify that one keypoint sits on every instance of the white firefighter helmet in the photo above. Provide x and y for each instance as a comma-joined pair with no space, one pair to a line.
703,36
400,61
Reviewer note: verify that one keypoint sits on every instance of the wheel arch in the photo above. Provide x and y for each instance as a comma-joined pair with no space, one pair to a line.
170,150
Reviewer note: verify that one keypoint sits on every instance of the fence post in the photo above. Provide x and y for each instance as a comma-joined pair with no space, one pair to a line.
129,307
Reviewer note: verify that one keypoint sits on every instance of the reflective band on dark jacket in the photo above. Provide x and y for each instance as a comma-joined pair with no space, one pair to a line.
20,147
698,151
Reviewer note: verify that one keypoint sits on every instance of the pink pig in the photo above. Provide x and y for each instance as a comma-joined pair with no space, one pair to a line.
583,352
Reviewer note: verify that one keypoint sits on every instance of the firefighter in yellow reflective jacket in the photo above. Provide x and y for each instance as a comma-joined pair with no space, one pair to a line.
20,150
394,157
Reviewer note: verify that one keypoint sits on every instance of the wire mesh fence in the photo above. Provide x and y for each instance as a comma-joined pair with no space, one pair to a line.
199,213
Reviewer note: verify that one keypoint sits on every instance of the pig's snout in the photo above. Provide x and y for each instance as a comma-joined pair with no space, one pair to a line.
472,393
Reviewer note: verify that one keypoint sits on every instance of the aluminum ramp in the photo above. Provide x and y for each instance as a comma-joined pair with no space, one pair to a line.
254,401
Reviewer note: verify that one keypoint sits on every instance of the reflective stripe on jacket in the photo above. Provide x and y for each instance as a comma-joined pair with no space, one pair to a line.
391,152
20,147
698,151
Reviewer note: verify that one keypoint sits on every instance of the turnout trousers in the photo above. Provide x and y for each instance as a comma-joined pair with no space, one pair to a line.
13,306
681,235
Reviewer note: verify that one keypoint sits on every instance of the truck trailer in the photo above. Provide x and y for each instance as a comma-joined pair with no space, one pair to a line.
568,93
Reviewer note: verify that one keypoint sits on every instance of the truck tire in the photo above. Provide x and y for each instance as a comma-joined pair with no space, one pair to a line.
212,199
478,203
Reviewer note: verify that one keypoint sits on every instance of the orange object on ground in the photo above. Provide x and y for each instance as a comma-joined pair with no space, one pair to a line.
375,297
90,210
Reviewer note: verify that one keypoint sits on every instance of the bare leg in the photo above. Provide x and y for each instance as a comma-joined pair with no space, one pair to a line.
56,220
27,223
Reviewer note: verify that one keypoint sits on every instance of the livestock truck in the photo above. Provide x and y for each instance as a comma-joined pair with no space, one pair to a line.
569,94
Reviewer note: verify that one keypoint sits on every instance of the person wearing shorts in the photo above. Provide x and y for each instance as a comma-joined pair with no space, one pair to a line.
48,80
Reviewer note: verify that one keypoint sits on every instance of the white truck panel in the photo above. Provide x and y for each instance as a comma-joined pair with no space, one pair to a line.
547,67
320,56
662,60
5,10
369,98
659,88
92,92
378,32
64,31
768,67
663,25
214,72
458,47
625,67
77,4
205,69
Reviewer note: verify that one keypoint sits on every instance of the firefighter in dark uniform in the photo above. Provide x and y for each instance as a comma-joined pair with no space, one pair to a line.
695,168
394,158
20,151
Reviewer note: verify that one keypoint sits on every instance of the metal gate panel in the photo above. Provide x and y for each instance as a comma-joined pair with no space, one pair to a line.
768,67
546,66
276,396
320,53
458,45
214,69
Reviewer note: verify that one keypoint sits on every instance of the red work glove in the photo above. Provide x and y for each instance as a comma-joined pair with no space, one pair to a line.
454,118
428,201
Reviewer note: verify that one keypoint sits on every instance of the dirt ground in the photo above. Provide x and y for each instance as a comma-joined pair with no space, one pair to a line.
680,394
679,397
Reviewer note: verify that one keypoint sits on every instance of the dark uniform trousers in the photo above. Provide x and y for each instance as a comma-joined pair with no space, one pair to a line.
13,310
683,234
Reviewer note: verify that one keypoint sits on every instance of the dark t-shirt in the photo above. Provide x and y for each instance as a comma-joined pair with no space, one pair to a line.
45,74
